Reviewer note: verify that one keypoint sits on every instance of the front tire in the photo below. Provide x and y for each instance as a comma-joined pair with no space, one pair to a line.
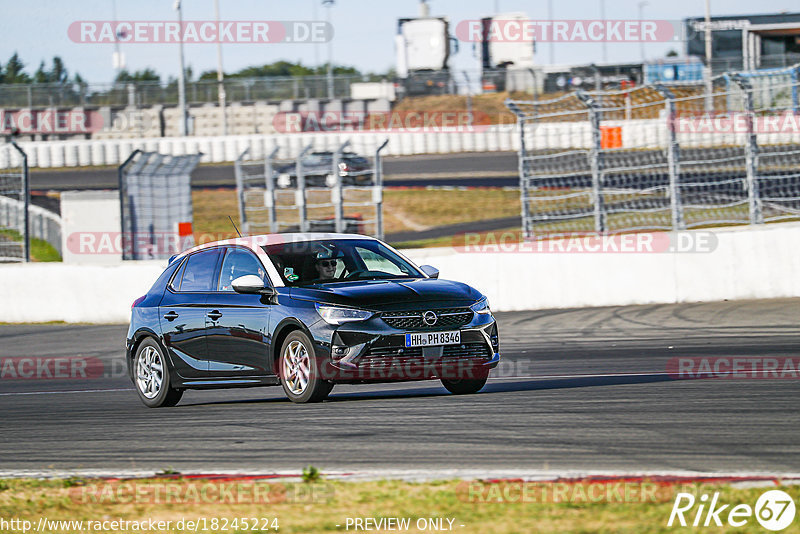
299,370
152,376
465,386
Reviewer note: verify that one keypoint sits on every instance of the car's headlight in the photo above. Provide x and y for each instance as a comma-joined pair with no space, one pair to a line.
336,315
482,306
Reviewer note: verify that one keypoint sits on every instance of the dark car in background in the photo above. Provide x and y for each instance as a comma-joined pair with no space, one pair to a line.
318,170
305,311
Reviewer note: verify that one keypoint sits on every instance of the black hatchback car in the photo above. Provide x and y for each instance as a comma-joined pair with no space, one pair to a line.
355,170
305,311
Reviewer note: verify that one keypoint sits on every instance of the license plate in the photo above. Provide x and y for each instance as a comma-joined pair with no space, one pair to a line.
427,339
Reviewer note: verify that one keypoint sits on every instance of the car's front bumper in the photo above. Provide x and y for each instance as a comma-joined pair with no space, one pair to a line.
371,351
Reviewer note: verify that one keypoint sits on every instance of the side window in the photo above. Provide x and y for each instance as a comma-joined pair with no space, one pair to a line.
176,280
376,262
238,263
198,274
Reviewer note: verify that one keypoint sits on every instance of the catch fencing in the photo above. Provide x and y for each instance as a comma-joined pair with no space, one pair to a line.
155,204
661,157
14,203
298,195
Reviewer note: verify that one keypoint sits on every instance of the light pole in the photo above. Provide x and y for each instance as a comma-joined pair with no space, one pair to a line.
552,47
329,5
603,18
316,44
709,85
182,74
220,76
641,9
117,59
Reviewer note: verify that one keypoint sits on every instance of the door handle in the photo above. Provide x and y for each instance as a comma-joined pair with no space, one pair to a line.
171,316
214,315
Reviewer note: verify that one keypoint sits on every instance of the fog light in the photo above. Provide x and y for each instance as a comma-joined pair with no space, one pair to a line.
340,352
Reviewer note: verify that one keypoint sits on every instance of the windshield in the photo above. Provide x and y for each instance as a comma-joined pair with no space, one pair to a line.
337,260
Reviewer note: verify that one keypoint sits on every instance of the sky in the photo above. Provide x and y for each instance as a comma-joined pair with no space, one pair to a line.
364,30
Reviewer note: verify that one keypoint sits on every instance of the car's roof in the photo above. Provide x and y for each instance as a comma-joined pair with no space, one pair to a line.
256,241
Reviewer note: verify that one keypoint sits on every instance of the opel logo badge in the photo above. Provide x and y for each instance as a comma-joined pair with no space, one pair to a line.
429,318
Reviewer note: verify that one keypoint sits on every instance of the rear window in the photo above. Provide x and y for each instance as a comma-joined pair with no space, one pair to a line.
198,272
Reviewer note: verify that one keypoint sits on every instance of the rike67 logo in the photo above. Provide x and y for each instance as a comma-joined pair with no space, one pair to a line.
774,510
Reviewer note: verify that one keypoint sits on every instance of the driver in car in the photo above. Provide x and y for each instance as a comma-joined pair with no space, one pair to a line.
326,268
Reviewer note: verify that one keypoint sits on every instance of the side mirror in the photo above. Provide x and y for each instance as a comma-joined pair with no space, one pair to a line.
251,283
431,271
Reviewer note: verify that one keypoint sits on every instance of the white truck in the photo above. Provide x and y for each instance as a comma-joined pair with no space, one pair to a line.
505,62
422,46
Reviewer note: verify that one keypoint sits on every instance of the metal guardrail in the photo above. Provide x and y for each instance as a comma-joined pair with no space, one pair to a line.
699,161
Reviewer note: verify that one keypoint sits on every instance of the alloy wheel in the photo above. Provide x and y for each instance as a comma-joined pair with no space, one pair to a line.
149,372
296,367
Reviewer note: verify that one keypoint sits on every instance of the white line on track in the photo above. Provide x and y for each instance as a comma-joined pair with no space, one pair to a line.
64,391
492,378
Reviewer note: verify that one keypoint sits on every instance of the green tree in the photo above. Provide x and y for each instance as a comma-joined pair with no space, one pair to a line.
145,75
15,71
58,74
41,75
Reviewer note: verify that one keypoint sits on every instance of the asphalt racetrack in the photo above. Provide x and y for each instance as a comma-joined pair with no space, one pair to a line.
578,390
478,169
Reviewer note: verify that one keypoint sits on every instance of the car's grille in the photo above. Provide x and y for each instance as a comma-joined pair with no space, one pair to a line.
387,357
413,320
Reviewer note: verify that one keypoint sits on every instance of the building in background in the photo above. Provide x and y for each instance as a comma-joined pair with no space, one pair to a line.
746,42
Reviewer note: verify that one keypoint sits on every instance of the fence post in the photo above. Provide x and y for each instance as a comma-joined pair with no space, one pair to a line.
269,195
300,194
336,193
596,163
750,152
673,160
128,245
237,173
26,191
377,192
795,82
527,232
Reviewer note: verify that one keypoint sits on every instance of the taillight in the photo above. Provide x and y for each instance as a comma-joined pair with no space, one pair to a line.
137,301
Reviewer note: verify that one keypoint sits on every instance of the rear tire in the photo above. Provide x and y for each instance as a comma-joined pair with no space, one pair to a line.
299,370
152,376
465,386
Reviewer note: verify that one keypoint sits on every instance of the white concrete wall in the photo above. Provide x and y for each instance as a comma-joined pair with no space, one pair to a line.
645,133
753,262
747,263
90,229
39,292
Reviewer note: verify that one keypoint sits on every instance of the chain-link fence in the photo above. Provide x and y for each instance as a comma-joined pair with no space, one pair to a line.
661,157
14,204
156,204
155,93
324,191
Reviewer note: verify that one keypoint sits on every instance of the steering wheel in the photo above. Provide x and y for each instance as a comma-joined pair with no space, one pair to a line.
354,274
